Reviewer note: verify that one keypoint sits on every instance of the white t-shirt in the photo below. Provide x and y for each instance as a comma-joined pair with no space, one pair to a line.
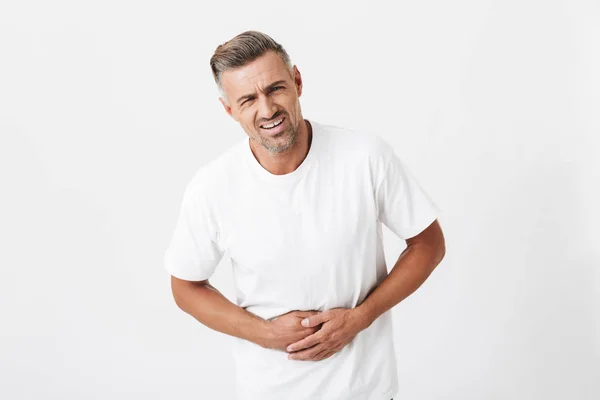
307,240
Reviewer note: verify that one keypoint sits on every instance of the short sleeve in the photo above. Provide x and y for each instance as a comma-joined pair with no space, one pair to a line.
193,252
403,206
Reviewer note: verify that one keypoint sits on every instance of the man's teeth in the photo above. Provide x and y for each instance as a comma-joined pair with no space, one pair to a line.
274,124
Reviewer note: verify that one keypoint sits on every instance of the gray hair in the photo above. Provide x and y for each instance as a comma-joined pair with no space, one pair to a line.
242,49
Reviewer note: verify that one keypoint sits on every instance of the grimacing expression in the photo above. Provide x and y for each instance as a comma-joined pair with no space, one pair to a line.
263,96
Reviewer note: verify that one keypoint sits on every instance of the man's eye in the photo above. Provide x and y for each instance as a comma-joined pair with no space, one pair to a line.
277,87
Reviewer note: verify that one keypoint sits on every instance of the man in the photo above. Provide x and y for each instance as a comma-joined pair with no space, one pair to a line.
298,206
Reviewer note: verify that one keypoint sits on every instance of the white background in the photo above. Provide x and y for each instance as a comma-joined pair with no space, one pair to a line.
108,108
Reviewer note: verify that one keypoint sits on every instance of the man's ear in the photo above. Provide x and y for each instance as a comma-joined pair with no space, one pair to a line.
227,108
297,80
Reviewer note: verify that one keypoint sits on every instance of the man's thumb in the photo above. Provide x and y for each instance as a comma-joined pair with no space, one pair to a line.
312,321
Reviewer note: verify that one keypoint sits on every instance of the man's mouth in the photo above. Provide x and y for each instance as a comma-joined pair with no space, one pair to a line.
273,124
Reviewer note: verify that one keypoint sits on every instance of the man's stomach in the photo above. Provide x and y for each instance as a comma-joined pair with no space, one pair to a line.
364,369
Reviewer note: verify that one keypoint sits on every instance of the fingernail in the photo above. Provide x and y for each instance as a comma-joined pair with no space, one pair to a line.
305,322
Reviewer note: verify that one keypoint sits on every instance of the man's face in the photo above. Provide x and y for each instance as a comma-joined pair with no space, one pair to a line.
262,93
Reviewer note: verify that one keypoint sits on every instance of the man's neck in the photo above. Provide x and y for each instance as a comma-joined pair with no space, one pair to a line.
287,161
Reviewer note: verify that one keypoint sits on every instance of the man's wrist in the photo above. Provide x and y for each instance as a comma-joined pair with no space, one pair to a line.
253,328
365,315
263,333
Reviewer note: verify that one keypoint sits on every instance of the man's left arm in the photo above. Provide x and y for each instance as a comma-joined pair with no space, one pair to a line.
414,265
422,254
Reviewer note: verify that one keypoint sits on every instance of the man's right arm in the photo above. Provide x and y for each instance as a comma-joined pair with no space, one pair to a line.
206,304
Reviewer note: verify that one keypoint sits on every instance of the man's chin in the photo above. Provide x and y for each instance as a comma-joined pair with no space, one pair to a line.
276,148
277,143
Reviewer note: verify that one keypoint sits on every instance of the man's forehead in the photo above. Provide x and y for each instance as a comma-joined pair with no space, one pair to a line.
260,72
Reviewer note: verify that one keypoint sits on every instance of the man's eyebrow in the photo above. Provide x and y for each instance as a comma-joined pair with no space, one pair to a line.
246,96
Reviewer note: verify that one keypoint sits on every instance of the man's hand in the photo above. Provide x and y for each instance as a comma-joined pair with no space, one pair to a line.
339,327
286,329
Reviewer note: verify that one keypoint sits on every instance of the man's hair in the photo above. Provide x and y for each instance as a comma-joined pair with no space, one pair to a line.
242,49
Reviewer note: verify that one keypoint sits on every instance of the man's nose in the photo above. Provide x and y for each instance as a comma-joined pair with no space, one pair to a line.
266,107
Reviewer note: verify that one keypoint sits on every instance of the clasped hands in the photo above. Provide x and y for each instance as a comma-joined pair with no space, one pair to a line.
314,335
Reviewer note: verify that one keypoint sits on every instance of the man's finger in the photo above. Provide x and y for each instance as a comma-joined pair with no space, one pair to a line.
314,320
305,343
325,354
306,354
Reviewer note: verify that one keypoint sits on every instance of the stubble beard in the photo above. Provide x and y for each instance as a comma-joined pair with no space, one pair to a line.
274,147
